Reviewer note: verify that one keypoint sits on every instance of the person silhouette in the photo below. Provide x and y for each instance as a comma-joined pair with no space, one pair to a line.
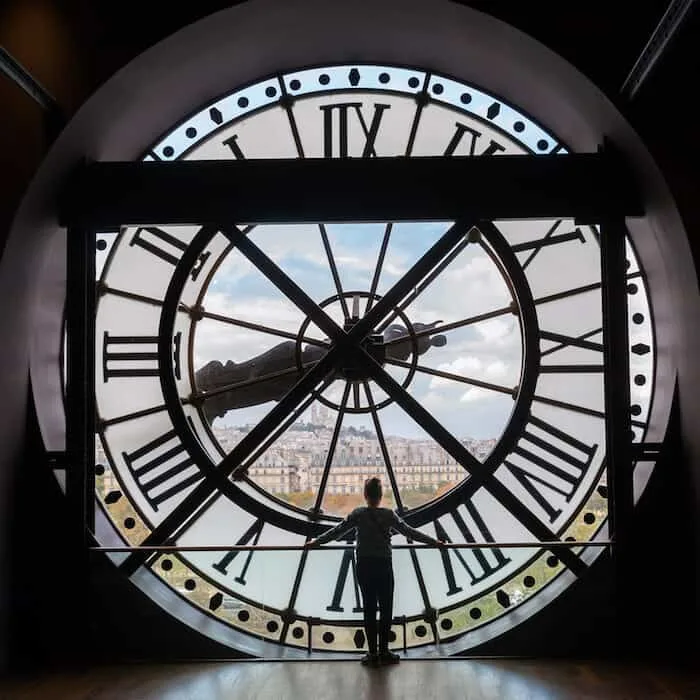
375,573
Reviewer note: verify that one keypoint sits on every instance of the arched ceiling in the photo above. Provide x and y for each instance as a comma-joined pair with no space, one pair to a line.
73,46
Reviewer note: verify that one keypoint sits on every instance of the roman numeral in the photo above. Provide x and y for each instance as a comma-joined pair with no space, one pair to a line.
347,566
478,563
565,341
339,141
251,534
550,238
463,130
165,246
162,471
232,143
135,355
556,476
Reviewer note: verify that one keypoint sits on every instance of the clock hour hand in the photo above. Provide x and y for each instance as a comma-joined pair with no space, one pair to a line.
266,377
399,349
222,387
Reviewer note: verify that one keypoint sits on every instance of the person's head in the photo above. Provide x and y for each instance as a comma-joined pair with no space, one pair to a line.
373,491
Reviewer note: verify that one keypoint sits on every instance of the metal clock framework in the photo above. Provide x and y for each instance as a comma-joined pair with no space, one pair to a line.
420,169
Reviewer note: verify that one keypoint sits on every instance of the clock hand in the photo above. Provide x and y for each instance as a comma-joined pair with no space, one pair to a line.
400,344
268,377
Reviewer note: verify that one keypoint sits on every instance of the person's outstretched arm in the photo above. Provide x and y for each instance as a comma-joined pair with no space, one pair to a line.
405,529
335,532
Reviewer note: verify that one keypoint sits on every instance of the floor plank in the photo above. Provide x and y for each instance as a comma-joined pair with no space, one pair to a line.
472,679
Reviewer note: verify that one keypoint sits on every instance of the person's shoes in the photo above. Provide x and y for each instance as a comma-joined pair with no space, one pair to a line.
370,660
388,657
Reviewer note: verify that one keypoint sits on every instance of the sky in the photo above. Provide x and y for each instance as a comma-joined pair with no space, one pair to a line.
472,283
488,351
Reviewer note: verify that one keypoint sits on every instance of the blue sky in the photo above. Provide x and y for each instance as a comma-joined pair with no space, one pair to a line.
471,284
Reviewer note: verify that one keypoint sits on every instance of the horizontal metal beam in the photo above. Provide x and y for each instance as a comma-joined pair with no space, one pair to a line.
294,548
588,187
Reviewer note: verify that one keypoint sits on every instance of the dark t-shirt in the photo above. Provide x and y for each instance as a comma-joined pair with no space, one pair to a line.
374,526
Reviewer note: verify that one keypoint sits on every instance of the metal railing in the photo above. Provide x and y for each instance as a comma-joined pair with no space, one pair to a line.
293,548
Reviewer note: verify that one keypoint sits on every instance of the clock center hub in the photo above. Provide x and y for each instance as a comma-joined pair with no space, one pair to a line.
373,345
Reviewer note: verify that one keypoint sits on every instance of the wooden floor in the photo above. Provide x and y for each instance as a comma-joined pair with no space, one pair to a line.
344,680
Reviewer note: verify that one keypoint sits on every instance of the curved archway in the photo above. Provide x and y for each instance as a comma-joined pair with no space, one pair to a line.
471,46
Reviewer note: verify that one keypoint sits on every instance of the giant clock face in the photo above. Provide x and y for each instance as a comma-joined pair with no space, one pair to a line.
473,384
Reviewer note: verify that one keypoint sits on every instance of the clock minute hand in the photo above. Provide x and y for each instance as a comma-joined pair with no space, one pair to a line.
222,387
268,377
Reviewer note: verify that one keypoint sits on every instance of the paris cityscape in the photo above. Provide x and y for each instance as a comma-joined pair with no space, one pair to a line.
292,467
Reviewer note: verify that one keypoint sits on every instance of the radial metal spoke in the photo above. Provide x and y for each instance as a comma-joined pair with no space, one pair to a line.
284,283
204,395
565,405
345,342
479,474
105,423
510,309
334,270
383,447
412,278
478,318
380,263
356,395
331,449
425,283
385,305
103,288
233,462
287,101
568,406
255,326
195,516
568,293
282,428
295,590
421,101
453,377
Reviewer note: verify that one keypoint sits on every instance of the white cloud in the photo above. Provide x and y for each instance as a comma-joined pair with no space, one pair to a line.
463,365
494,330
497,369
476,393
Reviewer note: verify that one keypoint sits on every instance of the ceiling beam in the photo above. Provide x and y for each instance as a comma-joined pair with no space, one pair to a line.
54,119
659,41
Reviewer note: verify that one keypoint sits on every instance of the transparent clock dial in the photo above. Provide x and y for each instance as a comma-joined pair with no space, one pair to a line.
250,344
501,348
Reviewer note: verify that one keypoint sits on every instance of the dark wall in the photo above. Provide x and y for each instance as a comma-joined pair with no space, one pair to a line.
59,617
71,48
643,611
